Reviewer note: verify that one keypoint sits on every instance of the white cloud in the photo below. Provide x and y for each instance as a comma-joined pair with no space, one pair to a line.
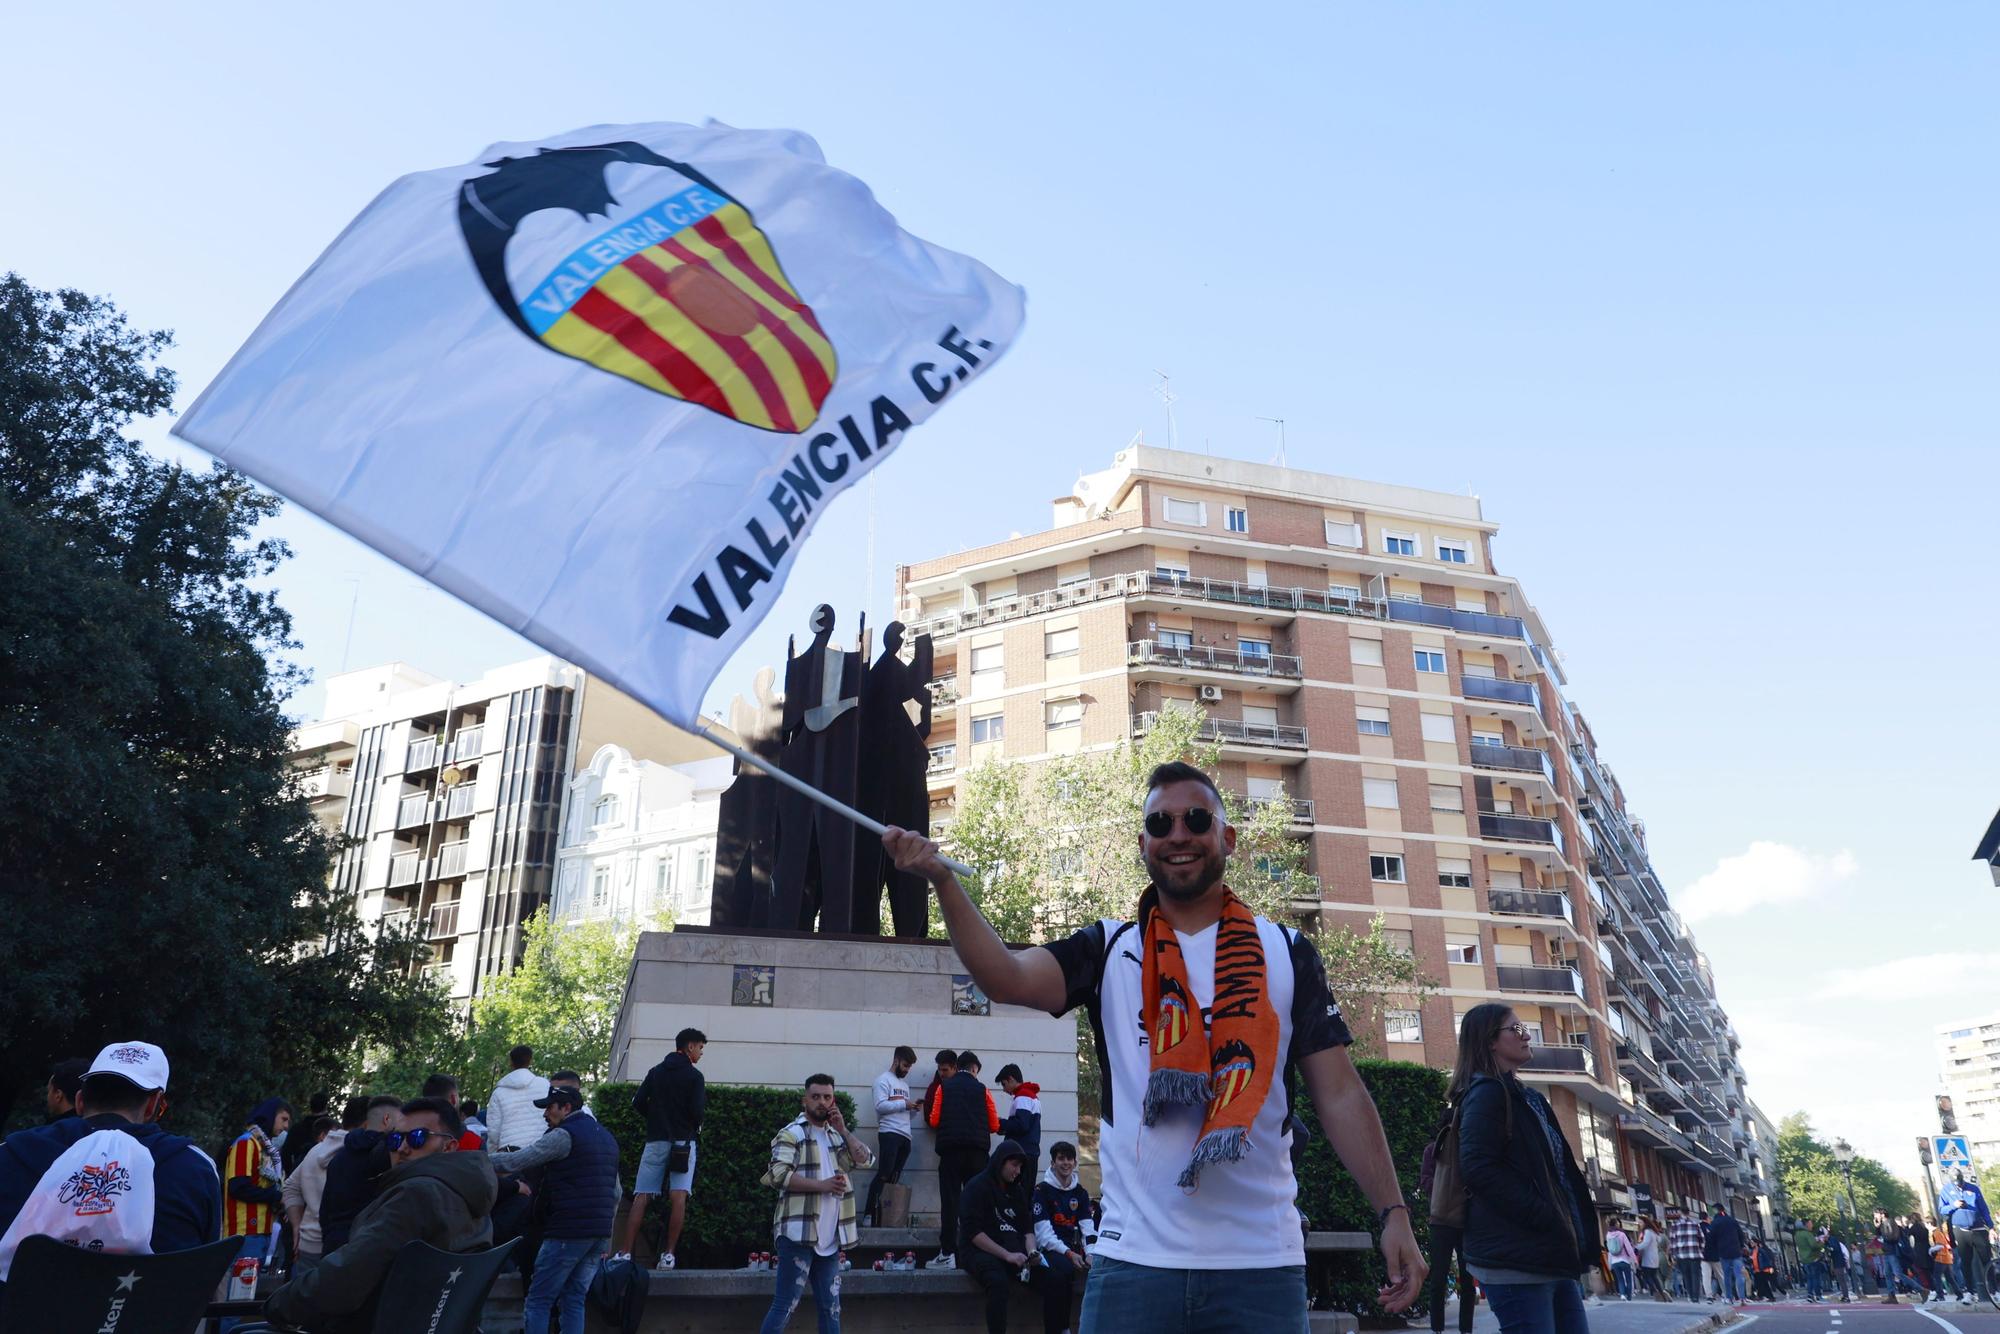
1764,874
1947,973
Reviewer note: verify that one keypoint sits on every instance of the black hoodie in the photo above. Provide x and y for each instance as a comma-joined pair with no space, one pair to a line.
998,1209
672,1099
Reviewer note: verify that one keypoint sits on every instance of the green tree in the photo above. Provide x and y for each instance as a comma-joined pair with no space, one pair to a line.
166,879
1817,1189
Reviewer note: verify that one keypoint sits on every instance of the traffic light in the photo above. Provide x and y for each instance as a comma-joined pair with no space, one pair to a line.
1924,1150
1946,1120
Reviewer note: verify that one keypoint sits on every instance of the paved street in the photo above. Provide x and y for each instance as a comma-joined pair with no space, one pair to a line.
1867,1316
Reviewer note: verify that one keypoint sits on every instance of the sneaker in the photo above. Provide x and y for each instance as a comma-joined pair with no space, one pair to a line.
614,1259
943,1260
666,1262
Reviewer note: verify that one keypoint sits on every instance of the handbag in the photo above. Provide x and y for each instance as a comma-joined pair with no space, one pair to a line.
677,1157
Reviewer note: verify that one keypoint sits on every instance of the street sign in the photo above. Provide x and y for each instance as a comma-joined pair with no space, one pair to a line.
1954,1154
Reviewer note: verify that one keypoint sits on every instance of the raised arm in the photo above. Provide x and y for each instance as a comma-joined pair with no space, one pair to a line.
1029,977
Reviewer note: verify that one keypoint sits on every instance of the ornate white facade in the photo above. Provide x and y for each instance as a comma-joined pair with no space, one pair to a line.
639,838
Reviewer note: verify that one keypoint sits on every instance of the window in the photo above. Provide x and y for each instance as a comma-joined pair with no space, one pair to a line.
1398,544
1061,643
1430,660
1379,793
1344,595
1170,570
1438,727
1386,867
1452,551
1260,715
1236,520
1193,512
1371,721
986,660
704,863
600,887
1405,1025
1462,949
1176,639
605,812
1504,879
1484,669
1254,648
1364,652
989,727
1534,1027
1454,873
663,881
1340,534
1403,941
1072,579
1447,797
1488,739
1061,713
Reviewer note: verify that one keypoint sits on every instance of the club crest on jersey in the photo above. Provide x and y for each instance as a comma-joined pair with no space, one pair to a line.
1172,1022
94,1188
682,293
1232,1068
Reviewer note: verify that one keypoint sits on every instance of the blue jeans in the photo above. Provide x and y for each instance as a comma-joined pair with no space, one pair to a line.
1623,1274
1732,1279
1120,1297
798,1263
1555,1307
563,1270
1815,1278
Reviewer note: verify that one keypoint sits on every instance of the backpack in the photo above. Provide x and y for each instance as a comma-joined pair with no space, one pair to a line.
98,1195
1441,1183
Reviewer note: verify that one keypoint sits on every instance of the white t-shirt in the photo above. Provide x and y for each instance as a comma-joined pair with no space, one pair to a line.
1242,1214
829,1203
887,1089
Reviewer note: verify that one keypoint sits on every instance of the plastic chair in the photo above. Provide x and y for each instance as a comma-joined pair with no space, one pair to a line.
56,1288
428,1291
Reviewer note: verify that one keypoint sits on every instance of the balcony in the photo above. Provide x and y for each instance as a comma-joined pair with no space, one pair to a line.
395,921
1451,618
1520,829
1501,690
1641,1067
444,919
1652,1130
1301,807
451,859
1514,759
404,868
469,743
1202,658
1230,732
944,691
1305,892
943,759
324,783
413,810
1530,903
458,803
424,753
1562,1059
1521,977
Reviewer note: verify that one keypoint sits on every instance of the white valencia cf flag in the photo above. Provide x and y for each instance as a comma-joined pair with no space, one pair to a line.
601,386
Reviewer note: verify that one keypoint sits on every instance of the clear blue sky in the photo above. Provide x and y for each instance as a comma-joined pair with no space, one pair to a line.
1700,300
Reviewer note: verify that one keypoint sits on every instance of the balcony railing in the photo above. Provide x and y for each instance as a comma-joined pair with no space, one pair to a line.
944,691
1451,618
405,868
943,759
444,919
1519,829
395,920
1301,807
1502,689
1530,903
1521,977
413,810
458,804
1563,1059
1514,759
469,743
1202,658
1231,731
1305,891
1632,1055
324,782
422,754
451,859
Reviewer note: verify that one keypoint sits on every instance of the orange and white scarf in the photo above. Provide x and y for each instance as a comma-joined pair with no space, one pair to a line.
1230,1074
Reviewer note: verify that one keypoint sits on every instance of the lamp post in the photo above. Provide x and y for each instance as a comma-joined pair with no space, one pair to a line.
1843,1153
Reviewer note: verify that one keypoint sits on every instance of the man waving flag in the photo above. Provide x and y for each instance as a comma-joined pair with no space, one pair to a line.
601,386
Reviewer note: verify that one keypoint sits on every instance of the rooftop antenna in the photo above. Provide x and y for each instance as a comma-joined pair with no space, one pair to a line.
353,605
1283,461
1166,393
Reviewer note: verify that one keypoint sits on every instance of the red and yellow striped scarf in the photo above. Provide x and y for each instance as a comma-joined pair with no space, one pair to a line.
1230,1074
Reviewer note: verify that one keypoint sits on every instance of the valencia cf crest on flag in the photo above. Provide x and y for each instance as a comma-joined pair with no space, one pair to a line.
1172,1028
664,279
1234,1064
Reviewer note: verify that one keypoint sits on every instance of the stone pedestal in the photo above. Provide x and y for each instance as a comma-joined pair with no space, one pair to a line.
778,1006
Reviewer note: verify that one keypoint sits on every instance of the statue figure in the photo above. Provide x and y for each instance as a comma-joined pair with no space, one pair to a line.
819,744
892,784
747,822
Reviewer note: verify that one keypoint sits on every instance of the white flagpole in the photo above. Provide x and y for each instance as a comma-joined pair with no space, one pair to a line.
807,790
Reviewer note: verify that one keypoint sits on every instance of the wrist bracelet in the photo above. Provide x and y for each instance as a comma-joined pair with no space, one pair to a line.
1382,1219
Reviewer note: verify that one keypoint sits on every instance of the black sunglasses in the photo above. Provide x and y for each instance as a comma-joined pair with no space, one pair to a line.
416,1138
1197,819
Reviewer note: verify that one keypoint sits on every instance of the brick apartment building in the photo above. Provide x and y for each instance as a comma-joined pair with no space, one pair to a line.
1358,655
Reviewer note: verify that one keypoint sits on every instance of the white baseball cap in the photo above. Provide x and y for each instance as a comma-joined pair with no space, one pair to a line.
140,1063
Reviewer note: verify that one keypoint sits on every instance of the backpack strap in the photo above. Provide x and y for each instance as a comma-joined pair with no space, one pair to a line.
1095,1006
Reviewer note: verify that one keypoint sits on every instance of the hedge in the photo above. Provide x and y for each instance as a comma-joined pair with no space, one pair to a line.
729,1211
1410,1099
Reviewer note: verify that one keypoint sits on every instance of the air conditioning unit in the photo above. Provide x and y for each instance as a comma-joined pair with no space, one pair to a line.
1211,694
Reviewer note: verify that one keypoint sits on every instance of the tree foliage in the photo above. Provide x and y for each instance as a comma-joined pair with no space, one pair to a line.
1814,1183
166,879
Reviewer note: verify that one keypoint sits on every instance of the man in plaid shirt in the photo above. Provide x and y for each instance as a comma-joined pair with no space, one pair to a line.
815,1213
1684,1238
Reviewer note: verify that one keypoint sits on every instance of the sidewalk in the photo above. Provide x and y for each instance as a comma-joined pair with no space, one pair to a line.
1619,1317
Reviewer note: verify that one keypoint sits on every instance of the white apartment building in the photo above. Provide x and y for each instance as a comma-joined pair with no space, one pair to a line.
1968,1053
639,839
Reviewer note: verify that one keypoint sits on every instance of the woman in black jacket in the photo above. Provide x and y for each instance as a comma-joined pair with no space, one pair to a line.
1529,1226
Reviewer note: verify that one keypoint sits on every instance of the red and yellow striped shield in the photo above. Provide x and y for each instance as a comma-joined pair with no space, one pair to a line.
1230,1080
1173,1026
687,298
